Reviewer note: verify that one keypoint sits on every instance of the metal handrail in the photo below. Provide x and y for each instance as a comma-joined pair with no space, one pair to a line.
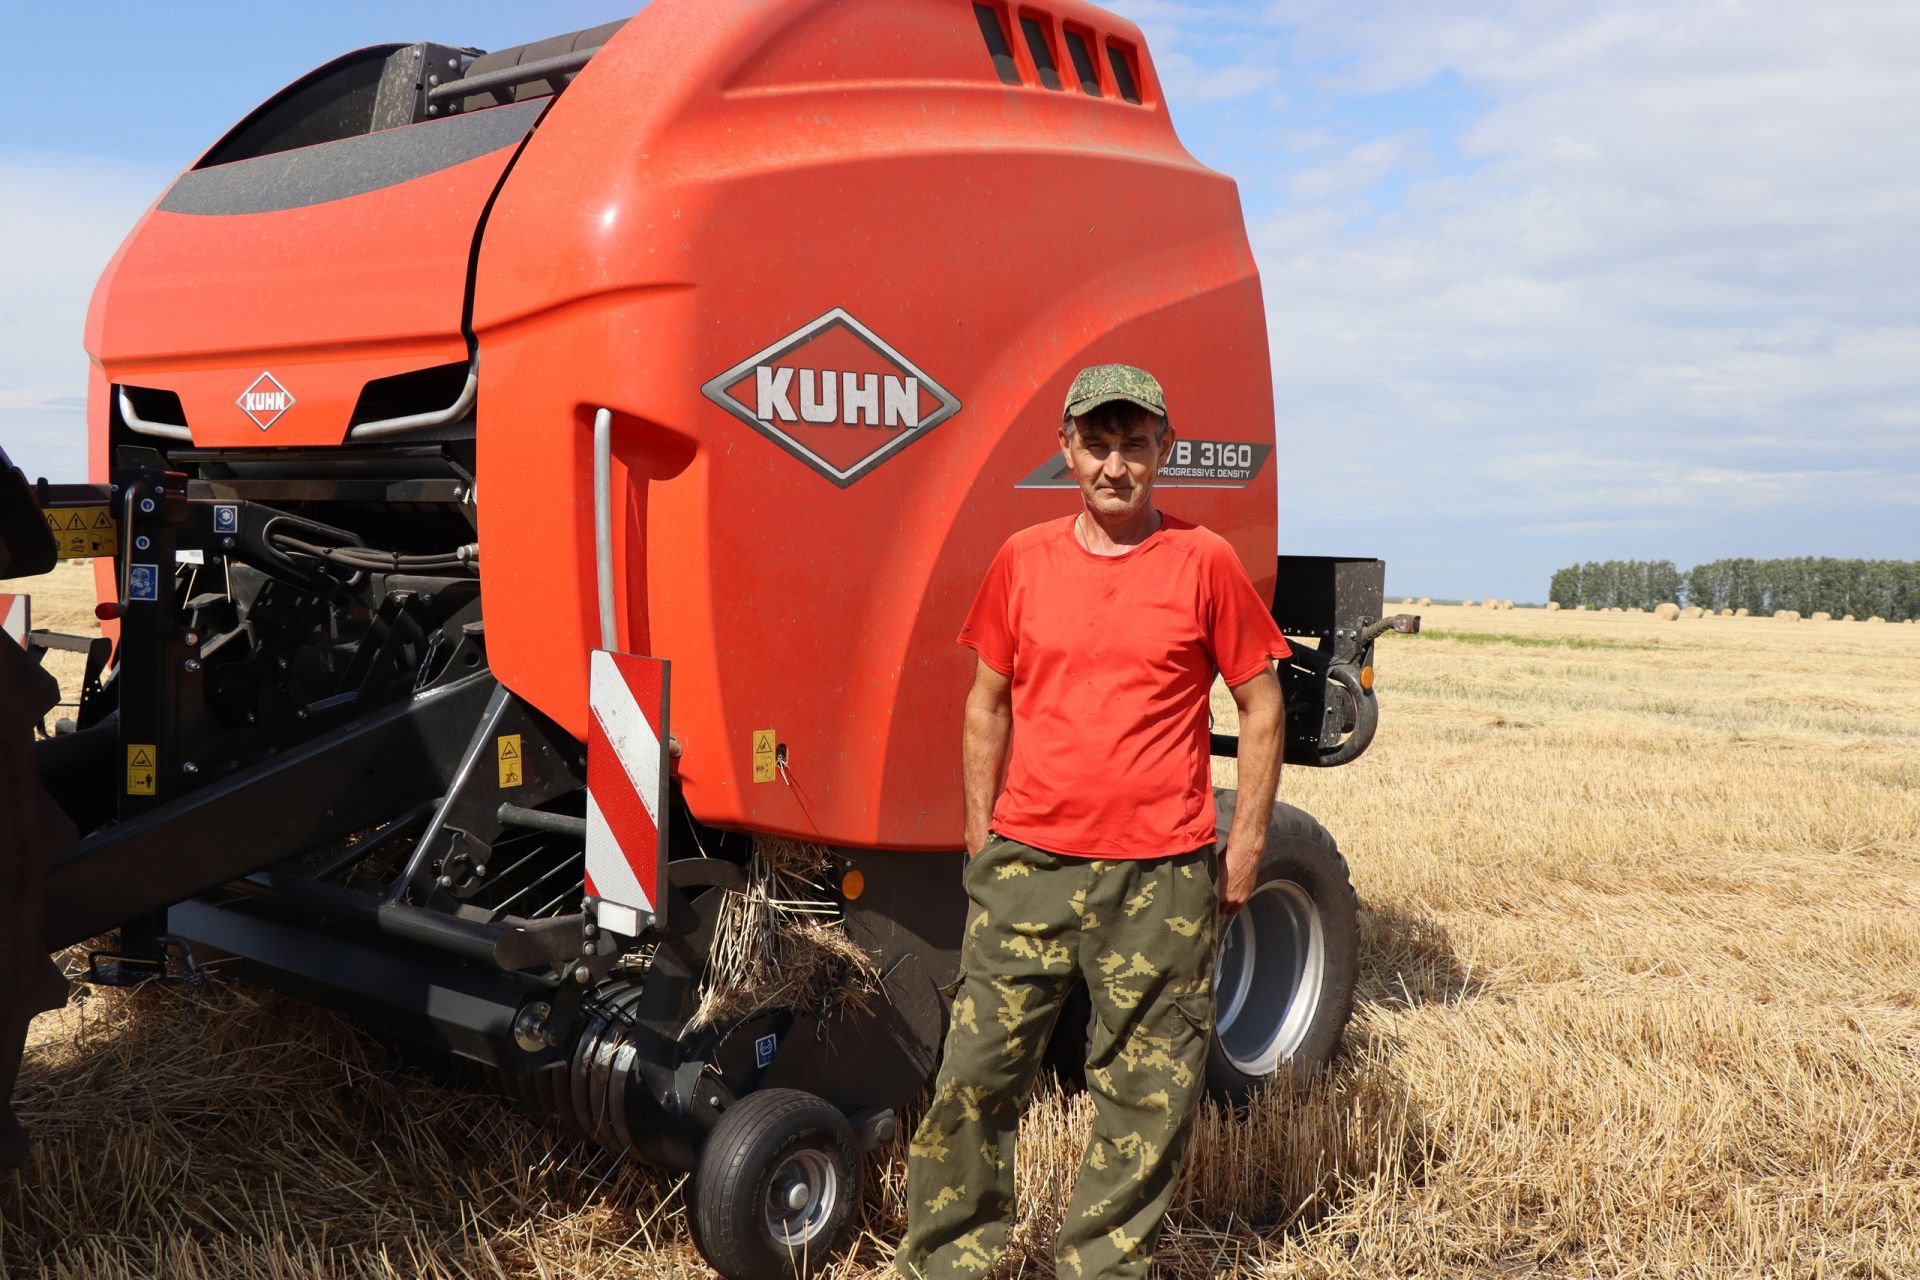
603,523
165,430
421,421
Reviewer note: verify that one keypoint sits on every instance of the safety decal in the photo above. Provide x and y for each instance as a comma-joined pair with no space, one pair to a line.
142,760
265,400
507,746
81,532
835,395
143,582
763,1050
226,517
1194,464
764,751
626,789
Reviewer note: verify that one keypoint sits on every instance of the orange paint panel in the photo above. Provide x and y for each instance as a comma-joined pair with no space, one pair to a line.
996,238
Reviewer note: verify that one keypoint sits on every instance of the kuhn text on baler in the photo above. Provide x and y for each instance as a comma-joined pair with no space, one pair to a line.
522,482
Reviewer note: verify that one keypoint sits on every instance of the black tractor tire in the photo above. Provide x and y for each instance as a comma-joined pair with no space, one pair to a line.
1287,963
777,1186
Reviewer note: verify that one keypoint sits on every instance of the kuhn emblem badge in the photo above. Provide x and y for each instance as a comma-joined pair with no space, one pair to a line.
834,395
265,401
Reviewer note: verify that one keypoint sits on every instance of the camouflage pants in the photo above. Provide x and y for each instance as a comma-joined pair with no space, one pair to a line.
1142,935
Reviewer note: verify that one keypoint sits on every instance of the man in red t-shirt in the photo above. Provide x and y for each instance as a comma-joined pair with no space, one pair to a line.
1090,835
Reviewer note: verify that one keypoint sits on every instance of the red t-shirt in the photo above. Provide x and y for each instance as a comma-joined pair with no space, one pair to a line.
1112,658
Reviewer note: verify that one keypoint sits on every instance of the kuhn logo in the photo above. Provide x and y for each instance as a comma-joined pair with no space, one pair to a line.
835,396
265,401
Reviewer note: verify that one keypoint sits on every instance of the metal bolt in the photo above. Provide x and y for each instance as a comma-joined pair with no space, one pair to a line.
445,882
251,717
433,79
453,62
530,1026
228,543
591,930
581,973
479,870
146,505
142,542
189,767
193,637
280,663
191,664
433,111
300,713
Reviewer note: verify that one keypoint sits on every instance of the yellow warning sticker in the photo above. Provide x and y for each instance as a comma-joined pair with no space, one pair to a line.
141,760
80,532
509,748
763,749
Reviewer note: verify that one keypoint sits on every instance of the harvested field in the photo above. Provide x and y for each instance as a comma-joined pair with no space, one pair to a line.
1639,999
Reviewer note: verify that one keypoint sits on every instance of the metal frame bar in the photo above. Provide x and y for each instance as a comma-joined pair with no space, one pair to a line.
521,73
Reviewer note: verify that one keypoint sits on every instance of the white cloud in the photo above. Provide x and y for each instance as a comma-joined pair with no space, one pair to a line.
61,218
1668,285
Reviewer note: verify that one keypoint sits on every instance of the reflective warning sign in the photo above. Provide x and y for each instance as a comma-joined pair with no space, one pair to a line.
763,755
508,745
80,532
142,758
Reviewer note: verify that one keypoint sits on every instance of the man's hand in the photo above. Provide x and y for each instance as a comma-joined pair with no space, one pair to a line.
1261,715
983,749
1239,875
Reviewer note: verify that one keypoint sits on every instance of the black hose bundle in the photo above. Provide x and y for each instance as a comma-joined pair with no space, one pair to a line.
369,559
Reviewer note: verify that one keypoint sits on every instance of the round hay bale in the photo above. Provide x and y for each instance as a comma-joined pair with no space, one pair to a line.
1846,617
1823,616
1743,612
1666,612
1876,618
1728,613
1636,609
1787,615
1693,611
1553,606
1506,604
1579,608
1426,601
1490,603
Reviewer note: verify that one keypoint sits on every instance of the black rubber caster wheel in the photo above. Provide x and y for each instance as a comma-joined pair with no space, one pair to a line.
777,1186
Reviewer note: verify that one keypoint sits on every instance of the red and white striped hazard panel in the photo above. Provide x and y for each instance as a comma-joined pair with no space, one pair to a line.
626,789
14,617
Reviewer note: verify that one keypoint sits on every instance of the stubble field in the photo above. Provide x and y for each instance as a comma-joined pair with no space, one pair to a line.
1640,997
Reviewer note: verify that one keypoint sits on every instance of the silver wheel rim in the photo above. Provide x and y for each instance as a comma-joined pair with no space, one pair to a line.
1267,978
801,1197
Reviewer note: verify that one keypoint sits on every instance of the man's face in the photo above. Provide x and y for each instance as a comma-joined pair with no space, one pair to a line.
1115,457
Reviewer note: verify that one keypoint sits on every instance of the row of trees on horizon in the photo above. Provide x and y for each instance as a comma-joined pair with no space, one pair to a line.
1809,584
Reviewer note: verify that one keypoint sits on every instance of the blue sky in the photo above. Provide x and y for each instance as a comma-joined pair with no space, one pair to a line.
1546,281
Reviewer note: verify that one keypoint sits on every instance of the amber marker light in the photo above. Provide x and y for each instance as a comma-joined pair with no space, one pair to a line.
1366,679
852,885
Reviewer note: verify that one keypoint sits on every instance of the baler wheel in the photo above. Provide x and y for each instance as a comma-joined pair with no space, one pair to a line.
777,1186
1285,972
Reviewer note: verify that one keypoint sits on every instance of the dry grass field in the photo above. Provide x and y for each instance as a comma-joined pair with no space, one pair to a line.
1641,997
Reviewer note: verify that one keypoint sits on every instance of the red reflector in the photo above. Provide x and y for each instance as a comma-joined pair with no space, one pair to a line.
106,611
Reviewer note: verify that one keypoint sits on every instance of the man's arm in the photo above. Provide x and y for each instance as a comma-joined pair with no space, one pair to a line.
983,748
1261,715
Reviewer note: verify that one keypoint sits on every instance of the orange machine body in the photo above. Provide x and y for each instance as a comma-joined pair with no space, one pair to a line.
831,274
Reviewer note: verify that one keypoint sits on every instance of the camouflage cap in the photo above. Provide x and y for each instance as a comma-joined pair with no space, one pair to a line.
1097,384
